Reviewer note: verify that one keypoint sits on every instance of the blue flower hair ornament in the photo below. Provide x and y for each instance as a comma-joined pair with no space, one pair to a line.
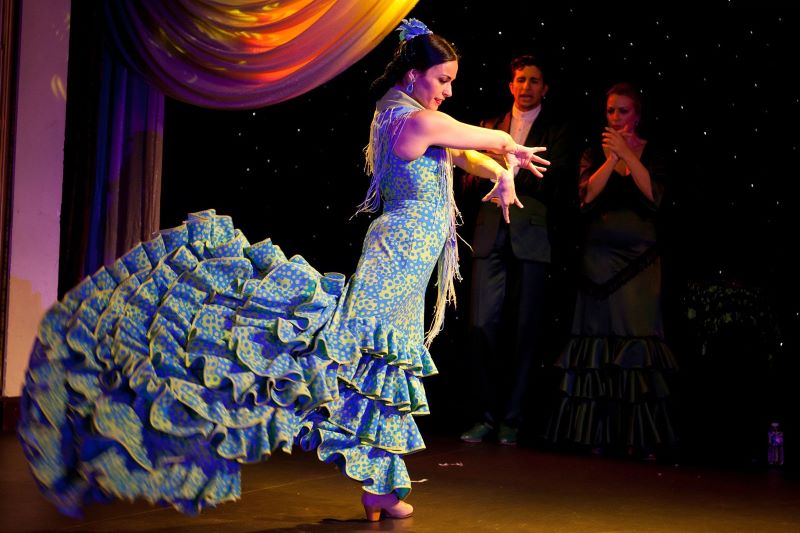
411,28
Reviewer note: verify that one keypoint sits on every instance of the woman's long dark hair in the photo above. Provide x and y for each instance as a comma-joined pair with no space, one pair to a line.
421,53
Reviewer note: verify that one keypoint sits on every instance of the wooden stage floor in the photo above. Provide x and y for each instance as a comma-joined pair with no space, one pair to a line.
458,487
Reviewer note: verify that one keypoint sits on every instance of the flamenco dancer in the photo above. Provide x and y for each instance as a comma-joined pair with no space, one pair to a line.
196,351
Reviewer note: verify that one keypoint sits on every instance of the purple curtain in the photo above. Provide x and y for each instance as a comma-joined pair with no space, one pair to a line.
125,202
112,169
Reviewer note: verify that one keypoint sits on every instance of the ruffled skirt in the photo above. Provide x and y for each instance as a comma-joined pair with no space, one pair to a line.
614,394
197,351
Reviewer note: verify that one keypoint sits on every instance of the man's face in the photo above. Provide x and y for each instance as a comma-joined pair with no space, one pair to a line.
528,87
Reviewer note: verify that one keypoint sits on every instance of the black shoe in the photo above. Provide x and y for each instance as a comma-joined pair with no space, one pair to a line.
507,435
477,433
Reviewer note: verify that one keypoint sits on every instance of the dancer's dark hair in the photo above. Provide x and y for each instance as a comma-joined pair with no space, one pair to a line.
421,53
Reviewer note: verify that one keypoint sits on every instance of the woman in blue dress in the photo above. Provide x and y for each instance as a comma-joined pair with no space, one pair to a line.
197,351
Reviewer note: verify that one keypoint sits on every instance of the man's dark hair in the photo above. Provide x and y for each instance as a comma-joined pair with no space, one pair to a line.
527,60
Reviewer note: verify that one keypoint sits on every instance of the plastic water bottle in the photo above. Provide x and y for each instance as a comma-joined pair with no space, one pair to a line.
775,444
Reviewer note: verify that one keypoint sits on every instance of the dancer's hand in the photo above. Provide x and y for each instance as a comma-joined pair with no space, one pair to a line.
504,194
525,157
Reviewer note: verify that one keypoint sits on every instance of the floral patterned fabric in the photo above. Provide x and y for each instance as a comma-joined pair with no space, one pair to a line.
197,351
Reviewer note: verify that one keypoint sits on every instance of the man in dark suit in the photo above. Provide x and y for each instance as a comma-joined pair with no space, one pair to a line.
511,261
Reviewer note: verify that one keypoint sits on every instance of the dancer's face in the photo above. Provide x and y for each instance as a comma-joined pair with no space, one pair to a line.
432,86
621,113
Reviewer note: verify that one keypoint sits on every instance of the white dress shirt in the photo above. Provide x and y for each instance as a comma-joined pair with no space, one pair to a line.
521,122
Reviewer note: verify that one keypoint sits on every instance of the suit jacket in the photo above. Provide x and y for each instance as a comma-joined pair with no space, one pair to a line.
531,228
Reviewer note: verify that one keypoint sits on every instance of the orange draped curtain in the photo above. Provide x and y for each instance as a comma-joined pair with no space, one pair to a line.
241,54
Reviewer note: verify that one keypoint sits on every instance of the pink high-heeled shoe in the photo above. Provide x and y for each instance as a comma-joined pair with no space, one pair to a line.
377,505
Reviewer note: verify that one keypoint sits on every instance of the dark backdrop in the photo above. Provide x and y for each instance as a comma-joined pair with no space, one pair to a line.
717,91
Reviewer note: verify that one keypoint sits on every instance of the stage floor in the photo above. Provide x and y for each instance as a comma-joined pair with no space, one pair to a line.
457,487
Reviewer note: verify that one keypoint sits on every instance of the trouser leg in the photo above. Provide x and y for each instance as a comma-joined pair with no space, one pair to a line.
488,294
530,279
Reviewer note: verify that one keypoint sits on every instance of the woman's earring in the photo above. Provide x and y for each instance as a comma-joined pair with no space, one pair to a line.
410,87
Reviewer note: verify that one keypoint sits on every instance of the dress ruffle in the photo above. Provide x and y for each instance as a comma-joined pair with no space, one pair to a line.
196,351
614,392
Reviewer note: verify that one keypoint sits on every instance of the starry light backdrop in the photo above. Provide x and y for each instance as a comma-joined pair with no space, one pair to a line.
717,90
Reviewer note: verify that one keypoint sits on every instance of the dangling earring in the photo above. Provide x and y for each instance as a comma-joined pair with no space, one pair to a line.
410,87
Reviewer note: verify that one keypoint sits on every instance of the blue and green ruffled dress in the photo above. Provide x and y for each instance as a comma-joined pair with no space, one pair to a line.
196,351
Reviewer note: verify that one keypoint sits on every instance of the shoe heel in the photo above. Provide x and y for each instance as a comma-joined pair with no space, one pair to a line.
377,506
372,512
